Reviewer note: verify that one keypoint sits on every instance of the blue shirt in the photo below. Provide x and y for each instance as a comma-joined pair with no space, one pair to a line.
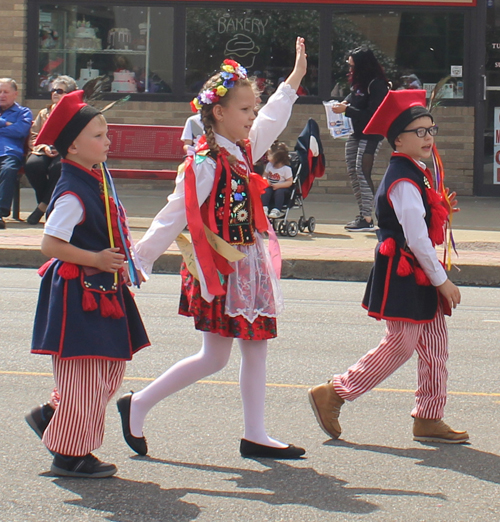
13,137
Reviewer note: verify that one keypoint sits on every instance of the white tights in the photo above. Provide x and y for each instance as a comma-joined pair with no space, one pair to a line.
213,357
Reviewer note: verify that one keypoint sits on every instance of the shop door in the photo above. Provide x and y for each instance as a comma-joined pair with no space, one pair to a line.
489,185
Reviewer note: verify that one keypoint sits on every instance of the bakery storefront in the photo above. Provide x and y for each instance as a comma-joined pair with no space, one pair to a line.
160,53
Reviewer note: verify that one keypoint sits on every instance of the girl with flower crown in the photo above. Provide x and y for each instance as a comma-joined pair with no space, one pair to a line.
230,281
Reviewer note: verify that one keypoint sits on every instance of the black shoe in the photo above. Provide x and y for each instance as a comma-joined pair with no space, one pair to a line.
35,216
360,225
250,449
4,212
38,418
2,224
87,466
138,444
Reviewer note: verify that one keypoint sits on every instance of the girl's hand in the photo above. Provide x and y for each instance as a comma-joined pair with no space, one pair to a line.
300,67
300,56
109,260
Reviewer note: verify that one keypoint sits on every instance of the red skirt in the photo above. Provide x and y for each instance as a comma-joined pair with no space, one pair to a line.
210,317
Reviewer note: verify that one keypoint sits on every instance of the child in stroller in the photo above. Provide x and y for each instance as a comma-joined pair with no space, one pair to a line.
280,178
307,162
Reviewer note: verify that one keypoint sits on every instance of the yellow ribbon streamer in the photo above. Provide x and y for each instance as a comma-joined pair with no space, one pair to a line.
108,215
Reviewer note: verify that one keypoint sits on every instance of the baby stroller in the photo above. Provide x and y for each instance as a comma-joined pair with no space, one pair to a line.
308,163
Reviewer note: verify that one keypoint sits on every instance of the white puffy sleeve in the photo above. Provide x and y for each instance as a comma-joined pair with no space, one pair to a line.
171,219
272,119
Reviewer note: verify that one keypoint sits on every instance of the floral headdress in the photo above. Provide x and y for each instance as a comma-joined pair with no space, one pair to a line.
231,72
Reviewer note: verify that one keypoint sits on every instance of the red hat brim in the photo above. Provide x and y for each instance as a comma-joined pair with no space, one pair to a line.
69,105
393,105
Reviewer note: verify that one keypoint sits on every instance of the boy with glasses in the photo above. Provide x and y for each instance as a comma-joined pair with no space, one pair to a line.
408,287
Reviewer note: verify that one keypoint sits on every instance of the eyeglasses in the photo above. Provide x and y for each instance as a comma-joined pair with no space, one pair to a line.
58,91
422,131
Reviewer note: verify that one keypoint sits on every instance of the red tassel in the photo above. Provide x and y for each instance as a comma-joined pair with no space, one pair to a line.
107,308
89,303
68,271
420,277
118,312
404,267
44,267
388,247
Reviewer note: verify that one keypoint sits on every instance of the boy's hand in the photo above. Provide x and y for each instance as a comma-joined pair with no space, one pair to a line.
450,292
452,198
109,260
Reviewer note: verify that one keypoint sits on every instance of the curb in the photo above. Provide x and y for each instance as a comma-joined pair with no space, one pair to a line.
312,269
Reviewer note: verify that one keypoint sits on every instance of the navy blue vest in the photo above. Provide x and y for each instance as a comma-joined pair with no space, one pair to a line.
389,295
62,326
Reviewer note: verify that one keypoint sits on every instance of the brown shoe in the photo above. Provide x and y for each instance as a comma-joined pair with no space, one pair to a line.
326,404
436,430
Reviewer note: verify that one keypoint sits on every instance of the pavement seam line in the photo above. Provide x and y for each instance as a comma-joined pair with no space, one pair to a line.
269,385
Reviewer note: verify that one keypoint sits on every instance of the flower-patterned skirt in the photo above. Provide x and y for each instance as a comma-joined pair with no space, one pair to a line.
210,317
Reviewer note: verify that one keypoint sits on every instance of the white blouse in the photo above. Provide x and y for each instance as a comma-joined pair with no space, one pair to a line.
171,220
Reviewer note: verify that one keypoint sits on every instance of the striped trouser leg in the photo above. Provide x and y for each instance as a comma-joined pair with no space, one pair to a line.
432,349
351,155
394,350
85,387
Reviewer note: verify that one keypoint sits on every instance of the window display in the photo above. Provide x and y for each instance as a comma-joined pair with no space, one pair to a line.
131,47
262,40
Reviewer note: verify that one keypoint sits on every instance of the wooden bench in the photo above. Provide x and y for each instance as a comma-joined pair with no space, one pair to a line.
147,143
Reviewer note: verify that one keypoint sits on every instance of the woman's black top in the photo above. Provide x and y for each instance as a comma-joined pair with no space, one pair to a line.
362,106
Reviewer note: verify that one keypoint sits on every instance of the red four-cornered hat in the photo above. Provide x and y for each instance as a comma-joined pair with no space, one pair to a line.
67,119
397,110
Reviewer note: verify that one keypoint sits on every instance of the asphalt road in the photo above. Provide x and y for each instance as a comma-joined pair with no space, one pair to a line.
194,471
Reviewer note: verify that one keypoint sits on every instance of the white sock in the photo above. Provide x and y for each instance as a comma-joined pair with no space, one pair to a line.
253,391
212,357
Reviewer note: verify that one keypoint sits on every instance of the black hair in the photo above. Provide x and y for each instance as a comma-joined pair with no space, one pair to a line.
366,68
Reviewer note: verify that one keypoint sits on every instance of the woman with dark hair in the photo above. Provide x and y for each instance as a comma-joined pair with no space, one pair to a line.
369,86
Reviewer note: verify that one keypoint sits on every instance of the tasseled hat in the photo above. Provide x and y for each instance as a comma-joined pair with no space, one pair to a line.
68,118
396,112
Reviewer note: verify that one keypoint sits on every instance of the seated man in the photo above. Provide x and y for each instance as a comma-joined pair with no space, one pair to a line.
15,124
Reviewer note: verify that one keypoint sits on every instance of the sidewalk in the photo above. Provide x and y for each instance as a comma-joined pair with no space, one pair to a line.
330,253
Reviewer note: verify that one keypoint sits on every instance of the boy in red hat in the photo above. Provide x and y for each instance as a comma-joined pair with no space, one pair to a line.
86,318
408,286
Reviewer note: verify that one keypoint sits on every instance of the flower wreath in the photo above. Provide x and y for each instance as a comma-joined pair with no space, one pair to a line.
231,72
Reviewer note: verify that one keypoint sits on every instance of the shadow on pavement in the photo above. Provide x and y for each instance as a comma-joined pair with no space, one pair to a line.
454,457
122,500
285,484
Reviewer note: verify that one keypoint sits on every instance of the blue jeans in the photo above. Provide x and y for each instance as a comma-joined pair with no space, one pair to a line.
9,167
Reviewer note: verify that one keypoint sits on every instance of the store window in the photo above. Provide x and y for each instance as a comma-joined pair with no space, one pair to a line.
131,47
416,49
262,40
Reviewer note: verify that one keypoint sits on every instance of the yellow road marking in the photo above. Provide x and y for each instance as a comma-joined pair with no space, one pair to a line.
270,385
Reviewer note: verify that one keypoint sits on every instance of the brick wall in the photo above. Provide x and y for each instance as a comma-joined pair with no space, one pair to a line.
13,41
456,142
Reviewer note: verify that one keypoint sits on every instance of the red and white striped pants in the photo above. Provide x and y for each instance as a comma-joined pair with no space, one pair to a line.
430,340
85,388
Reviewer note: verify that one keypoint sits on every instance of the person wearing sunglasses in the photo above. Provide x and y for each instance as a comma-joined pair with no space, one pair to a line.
43,166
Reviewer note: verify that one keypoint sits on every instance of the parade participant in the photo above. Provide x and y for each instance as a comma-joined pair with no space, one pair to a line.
280,178
238,298
86,318
408,286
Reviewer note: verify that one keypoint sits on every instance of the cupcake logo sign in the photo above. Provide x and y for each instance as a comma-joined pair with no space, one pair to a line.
242,46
